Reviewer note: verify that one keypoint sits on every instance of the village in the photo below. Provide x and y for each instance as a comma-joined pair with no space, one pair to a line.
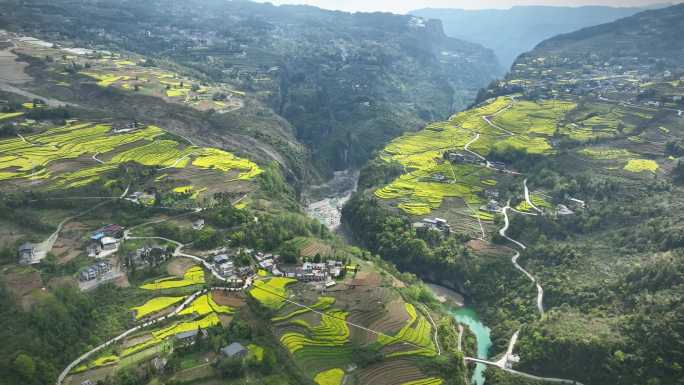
104,245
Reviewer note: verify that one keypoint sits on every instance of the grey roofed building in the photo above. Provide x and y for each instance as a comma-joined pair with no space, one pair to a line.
234,350
184,336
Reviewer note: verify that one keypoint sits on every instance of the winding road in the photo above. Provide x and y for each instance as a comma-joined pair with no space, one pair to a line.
46,246
527,198
516,256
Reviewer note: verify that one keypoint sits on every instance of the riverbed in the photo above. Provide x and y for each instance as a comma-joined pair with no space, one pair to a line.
324,202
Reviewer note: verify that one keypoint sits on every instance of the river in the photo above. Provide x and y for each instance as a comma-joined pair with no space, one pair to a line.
468,317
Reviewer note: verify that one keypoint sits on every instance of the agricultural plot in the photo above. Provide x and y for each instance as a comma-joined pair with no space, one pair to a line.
194,276
429,178
171,86
330,377
161,335
606,153
534,118
34,157
204,305
256,352
10,115
427,381
323,303
271,293
322,346
155,305
134,73
417,331
641,165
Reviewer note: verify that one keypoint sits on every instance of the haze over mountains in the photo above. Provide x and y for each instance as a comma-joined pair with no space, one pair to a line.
510,32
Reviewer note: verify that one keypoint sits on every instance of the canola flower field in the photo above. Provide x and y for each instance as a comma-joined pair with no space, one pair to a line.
429,178
32,157
154,305
194,276
270,292
330,377
641,165
417,331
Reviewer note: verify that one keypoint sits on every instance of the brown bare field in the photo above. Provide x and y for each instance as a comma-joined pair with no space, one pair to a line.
226,298
394,319
178,266
391,372
136,340
367,278
22,281
96,374
314,248
12,71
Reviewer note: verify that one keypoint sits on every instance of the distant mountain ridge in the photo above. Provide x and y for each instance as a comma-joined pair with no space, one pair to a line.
651,35
522,26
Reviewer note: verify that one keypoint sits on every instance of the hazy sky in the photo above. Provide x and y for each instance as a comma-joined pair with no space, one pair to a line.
403,6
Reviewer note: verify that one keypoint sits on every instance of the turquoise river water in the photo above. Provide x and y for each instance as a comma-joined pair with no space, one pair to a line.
468,317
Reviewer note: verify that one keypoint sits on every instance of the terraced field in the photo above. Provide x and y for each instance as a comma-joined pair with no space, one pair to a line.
429,179
133,73
37,156
204,305
318,347
155,305
416,331
330,377
323,303
641,165
271,292
194,276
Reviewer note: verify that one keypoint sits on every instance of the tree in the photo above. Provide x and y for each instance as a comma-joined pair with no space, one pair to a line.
678,171
25,366
289,252
230,367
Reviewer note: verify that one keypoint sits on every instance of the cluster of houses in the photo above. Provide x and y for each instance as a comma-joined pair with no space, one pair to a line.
268,262
493,204
149,255
95,271
461,157
105,241
226,267
317,272
437,224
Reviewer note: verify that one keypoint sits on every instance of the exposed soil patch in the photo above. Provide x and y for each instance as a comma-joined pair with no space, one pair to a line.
12,71
178,266
227,298
21,282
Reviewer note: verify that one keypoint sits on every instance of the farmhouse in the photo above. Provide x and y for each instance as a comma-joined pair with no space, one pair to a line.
234,350
95,271
226,269
563,210
498,165
198,224
221,259
109,243
491,194
188,338
27,252
492,206
460,158
438,224
112,230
